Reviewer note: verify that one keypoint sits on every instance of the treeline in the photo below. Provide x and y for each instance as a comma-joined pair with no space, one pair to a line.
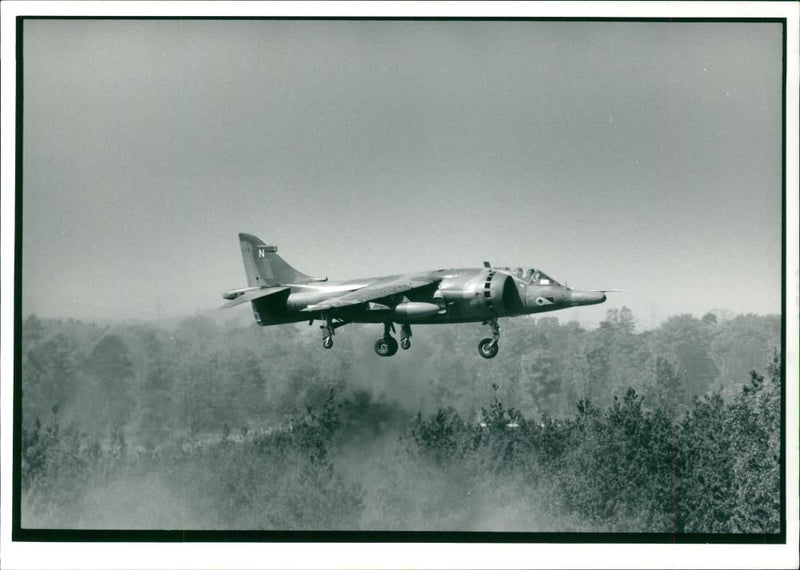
712,469
208,424
155,381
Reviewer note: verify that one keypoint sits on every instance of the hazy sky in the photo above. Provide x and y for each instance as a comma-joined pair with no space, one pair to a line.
641,156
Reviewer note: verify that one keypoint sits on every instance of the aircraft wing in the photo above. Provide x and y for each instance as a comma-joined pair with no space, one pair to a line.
247,295
373,292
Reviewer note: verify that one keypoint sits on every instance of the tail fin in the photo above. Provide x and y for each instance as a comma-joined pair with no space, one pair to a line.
264,267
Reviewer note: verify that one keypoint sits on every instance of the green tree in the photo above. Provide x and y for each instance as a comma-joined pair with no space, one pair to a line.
738,346
156,412
755,426
541,382
705,493
685,342
49,375
616,475
110,379
667,390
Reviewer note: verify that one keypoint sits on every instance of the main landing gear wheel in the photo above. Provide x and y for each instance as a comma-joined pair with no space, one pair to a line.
386,346
488,348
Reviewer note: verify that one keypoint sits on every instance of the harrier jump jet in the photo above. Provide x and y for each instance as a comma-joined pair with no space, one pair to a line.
280,294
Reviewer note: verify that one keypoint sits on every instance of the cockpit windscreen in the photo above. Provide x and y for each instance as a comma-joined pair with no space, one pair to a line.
531,276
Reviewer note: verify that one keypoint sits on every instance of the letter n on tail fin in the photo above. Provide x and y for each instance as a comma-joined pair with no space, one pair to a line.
264,267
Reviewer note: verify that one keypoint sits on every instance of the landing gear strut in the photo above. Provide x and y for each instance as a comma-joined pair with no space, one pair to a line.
386,345
328,329
488,347
405,336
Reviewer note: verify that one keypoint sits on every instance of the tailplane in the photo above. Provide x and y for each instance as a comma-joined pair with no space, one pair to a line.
264,267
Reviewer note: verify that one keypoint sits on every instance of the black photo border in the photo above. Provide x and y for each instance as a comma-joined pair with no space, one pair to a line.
18,533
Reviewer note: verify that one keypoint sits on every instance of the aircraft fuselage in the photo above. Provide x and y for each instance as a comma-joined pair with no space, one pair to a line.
280,294
462,295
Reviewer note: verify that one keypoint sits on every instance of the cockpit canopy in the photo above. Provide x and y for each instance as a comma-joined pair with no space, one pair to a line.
530,276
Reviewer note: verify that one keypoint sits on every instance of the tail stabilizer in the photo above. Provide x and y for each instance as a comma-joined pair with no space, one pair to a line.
239,296
264,267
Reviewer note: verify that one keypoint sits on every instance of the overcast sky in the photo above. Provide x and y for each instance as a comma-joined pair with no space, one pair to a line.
641,156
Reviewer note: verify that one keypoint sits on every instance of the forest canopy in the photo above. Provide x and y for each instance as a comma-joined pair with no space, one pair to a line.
204,423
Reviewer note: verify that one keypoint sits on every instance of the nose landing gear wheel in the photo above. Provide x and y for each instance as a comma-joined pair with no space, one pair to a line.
386,346
327,342
488,348
405,343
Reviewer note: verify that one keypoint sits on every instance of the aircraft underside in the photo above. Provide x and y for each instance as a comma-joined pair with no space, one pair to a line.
387,345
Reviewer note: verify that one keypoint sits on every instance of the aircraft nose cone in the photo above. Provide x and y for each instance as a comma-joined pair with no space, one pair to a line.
587,297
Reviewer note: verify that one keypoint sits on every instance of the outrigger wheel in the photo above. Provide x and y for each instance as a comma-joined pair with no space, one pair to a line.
405,336
328,330
386,346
